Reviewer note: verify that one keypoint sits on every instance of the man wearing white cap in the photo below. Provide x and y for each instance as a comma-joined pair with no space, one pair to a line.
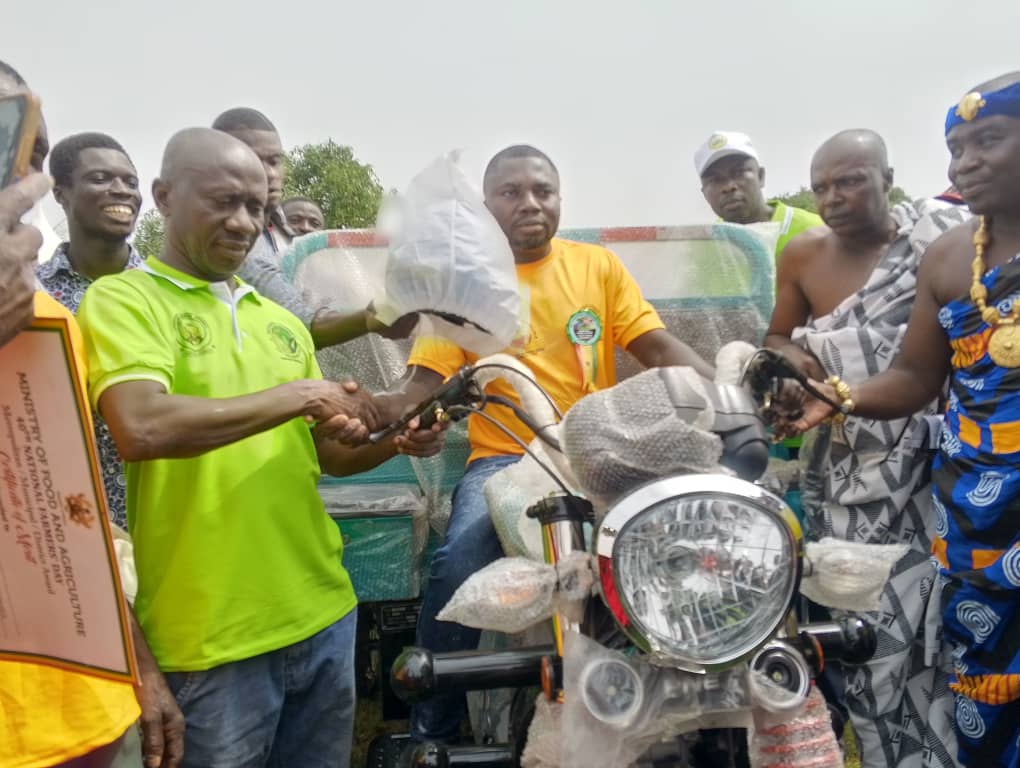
732,180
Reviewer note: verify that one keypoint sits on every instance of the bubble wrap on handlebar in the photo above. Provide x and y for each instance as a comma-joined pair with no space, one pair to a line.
621,437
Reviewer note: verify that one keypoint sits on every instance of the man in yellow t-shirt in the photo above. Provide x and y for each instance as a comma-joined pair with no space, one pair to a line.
580,302
49,716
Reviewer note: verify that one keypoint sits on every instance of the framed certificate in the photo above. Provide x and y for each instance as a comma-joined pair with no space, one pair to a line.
61,602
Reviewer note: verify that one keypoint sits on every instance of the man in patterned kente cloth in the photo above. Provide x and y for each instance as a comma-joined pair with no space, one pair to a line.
968,295
843,301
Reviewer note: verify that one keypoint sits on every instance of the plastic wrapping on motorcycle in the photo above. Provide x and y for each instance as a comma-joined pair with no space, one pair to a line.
847,575
722,406
781,475
709,283
804,741
511,491
517,487
450,261
574,578
616,706
730,361
508,595
513,594
543,746
652,425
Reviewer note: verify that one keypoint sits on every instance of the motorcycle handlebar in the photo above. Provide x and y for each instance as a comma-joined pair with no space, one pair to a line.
761,375
418,674
849,640
459,389
431,755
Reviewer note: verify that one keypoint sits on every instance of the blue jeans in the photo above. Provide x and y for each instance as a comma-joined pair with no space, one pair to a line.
289,707
470,545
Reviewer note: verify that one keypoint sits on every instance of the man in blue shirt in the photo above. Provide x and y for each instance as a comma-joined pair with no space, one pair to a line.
97,185
262,267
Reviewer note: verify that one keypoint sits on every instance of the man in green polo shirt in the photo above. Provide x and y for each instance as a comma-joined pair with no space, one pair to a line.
215,401
732,181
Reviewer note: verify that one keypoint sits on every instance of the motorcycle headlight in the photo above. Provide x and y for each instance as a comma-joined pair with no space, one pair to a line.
699,570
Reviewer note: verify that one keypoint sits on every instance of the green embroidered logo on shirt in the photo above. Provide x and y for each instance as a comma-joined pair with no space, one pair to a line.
192,332
284,340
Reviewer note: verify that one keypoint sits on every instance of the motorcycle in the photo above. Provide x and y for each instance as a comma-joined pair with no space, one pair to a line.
665,581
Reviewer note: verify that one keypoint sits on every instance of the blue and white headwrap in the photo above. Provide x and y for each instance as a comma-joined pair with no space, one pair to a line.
1005,101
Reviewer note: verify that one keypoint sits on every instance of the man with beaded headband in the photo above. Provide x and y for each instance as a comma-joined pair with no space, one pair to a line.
964,326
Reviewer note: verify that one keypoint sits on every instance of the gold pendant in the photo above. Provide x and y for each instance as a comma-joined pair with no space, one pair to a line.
1004,346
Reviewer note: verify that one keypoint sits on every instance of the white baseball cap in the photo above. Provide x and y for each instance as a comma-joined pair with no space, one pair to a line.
723,144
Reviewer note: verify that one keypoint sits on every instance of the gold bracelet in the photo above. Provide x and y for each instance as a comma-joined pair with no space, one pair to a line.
846,405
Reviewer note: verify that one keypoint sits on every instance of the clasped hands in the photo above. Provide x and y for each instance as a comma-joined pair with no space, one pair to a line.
348,414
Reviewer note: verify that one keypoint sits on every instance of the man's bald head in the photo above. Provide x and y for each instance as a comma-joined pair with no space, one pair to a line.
851,179
212,192
859,142
192,149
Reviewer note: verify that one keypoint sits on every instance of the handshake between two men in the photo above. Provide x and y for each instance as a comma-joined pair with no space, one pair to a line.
347,414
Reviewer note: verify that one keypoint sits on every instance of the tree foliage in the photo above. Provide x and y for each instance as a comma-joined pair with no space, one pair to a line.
346,190
897,195
148,239
804,198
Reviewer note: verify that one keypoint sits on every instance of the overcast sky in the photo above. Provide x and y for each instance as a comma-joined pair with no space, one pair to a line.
619,94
